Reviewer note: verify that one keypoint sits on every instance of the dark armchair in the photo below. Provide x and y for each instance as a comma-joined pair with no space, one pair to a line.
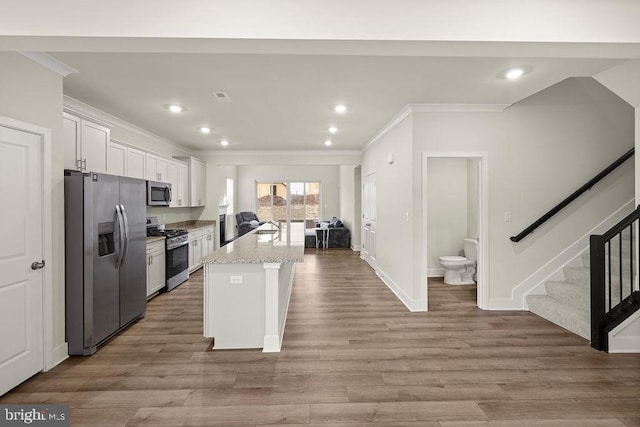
247,221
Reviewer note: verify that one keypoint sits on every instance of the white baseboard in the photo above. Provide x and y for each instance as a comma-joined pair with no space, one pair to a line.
413,305
625,338
58,355
535,282
503,304
356,248
435,272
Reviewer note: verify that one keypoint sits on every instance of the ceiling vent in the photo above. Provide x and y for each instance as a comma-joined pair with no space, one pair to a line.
221,97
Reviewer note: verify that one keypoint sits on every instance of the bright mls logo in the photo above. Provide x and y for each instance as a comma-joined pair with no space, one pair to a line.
37,415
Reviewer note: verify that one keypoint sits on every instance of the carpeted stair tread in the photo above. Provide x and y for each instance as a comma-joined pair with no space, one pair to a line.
571,294
571,318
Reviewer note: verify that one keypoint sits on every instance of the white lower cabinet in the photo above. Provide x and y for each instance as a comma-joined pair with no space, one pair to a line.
207,242
201,244
156,278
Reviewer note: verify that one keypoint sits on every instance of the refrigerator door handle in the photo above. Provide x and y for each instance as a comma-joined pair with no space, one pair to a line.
123,212
122,237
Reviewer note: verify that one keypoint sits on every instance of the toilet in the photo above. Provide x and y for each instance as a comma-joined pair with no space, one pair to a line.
460,270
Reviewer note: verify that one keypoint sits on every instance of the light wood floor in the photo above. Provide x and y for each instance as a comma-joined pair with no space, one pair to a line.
352,355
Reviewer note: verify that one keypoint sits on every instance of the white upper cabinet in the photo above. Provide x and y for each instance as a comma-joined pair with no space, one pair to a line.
198,182
135,163
178,177
71,137
151,167
125,161
85,143
163,169
183,185
157,168
117,159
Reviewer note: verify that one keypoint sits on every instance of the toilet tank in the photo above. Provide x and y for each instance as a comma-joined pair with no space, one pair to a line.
470,248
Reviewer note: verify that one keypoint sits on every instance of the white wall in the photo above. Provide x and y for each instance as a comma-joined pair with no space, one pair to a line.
348,201
446,209
356,232
227,172
540,150
328,176
395,201
473,198
33,94
623,81
489,20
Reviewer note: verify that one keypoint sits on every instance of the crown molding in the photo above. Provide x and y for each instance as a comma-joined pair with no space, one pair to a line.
278,152
50,62
409,109
79,108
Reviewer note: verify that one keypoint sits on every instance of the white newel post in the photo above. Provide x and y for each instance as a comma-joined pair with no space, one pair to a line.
271,333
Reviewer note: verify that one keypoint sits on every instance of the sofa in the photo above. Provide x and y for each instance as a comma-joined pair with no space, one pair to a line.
247,221
339,236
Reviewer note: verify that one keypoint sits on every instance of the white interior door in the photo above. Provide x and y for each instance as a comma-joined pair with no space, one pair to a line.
369,220
21,244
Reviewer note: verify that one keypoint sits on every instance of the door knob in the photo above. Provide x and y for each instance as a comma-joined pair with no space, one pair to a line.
37,265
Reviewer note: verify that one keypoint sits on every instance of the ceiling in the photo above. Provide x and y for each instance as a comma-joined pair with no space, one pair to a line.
285,101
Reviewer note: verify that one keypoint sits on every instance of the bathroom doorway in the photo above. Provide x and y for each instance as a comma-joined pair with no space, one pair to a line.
455,217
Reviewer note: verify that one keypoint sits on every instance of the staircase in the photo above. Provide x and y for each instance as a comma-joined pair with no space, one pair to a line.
567,302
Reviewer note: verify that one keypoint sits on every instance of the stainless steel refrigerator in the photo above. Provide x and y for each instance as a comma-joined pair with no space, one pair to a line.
105,254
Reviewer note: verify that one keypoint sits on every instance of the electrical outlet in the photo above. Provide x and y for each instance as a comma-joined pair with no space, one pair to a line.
507,216
236,280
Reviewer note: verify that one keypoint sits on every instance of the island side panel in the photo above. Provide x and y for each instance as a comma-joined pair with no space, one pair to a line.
285,283
235,312
272,338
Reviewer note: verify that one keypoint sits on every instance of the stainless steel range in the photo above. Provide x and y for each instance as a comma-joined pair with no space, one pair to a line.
177,253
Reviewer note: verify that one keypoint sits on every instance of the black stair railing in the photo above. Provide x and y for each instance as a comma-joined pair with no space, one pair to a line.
593,181
614,289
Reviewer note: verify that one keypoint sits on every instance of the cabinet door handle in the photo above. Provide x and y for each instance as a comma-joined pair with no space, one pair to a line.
84,164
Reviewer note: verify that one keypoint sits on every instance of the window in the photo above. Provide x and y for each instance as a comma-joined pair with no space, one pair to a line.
297,202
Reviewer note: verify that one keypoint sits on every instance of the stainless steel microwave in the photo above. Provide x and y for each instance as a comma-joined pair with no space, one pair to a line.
158,193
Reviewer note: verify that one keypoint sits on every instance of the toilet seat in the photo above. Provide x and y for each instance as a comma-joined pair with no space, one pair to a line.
453,258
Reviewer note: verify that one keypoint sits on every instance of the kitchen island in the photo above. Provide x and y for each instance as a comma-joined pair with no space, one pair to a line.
247,285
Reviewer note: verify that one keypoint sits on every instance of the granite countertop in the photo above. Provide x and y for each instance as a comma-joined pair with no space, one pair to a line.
191,225
153,239
265,244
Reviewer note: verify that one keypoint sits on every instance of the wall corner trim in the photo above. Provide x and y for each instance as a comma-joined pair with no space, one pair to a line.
409,109
50,62
414,305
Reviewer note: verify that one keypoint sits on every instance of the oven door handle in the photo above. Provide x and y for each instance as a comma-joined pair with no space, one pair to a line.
177,245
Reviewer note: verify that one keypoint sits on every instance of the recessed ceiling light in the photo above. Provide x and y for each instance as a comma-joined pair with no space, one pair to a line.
174,108
328,142
224,142
514,73
333,129
340,108
205,129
